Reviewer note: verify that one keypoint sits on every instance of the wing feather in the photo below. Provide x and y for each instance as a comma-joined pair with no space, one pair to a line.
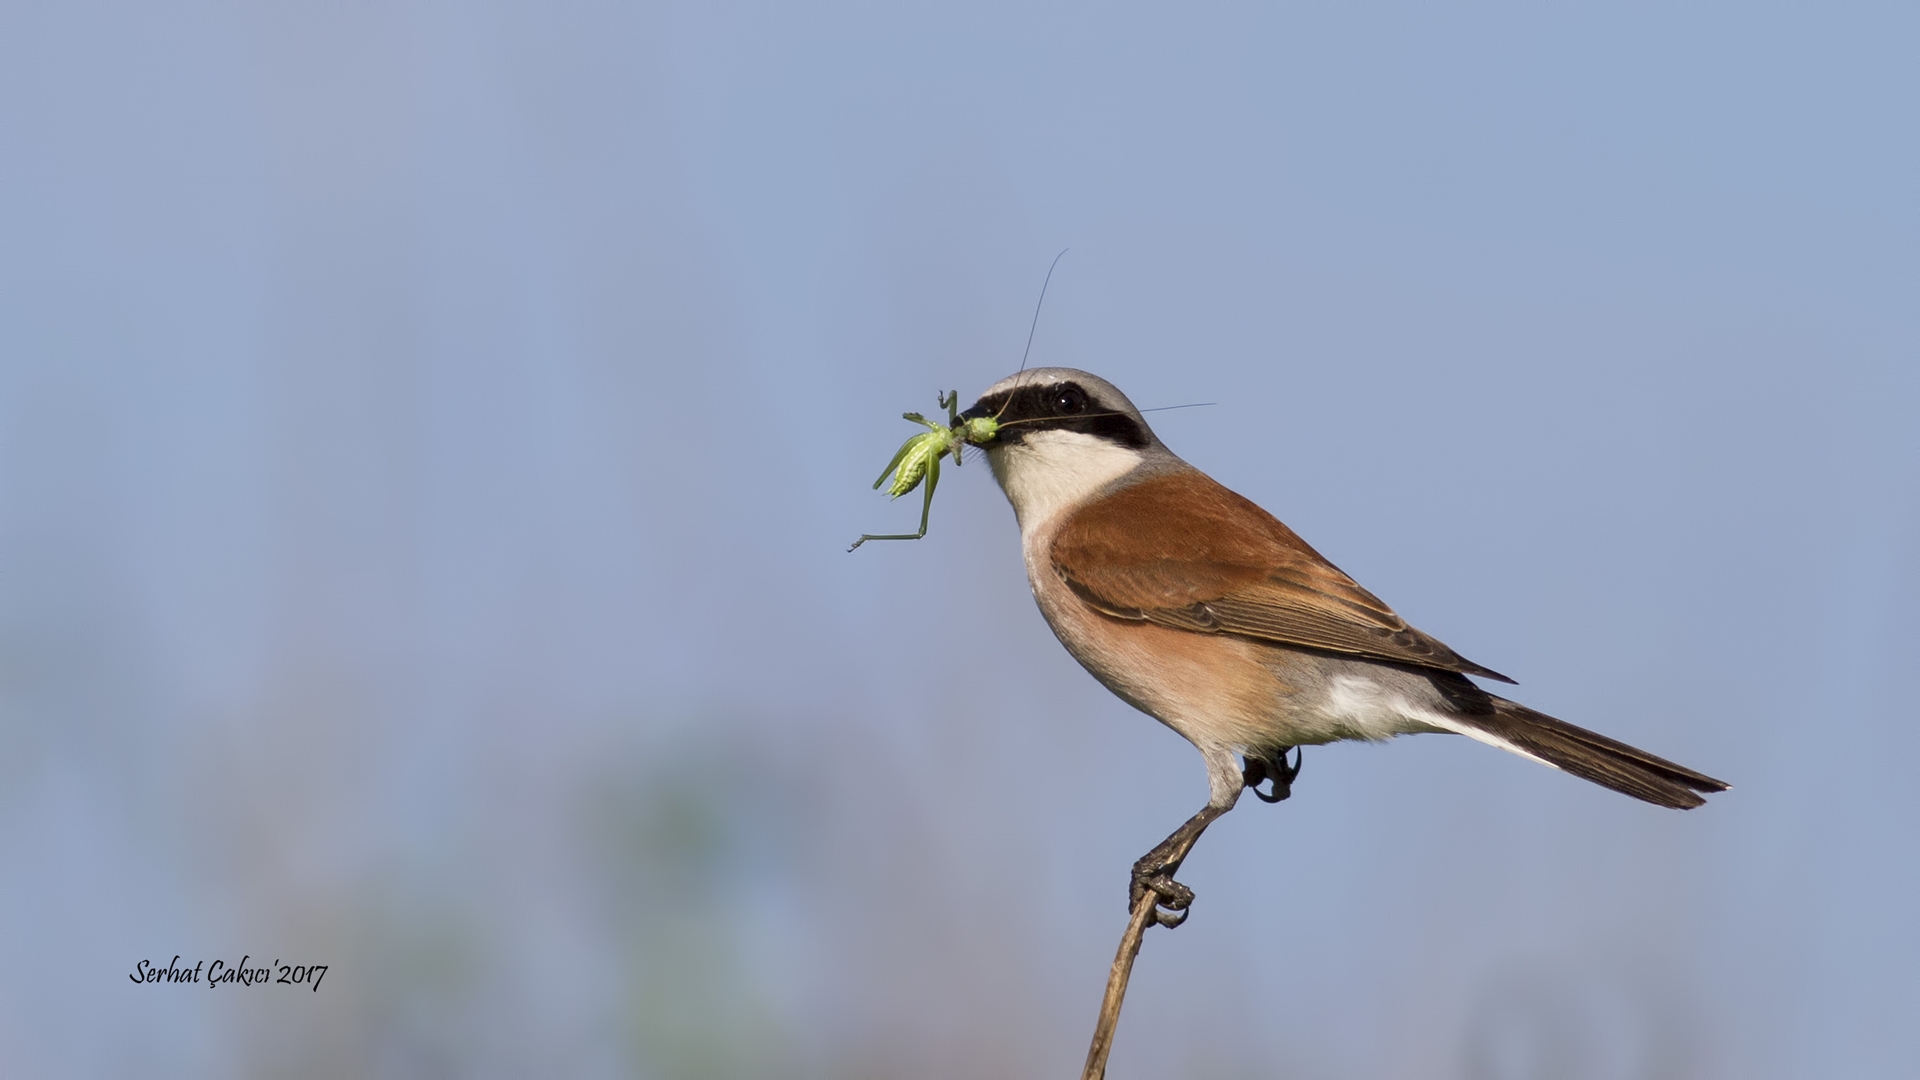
1184,552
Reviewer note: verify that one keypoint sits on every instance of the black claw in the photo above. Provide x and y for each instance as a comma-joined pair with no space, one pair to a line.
1173,902
1153,872
1162,917
1173,895
1171,899
1259,770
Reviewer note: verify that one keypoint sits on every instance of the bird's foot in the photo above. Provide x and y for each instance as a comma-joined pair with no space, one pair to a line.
1274,767
1154,874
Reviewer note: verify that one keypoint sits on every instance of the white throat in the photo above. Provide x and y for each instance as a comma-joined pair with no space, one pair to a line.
1050,472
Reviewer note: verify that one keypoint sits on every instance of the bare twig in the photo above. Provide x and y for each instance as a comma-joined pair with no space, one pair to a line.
1157,898
1143,911
1155,890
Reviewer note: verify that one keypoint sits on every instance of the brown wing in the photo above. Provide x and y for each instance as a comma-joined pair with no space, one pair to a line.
1182,551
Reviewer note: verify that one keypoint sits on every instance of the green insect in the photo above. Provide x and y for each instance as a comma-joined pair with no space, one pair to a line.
919,457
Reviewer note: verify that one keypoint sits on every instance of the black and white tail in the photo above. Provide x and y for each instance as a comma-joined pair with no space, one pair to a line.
1583,753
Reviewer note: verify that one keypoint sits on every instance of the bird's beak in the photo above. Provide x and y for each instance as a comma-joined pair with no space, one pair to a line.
977,426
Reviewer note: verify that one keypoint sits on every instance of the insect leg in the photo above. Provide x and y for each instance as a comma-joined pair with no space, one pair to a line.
926,508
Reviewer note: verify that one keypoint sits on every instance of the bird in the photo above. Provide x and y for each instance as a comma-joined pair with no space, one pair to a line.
1202,610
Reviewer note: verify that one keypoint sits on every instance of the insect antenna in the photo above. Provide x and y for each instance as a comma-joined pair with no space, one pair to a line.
1032,327
1087,416
1037,305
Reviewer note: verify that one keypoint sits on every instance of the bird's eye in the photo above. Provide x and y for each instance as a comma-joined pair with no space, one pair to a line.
1069,400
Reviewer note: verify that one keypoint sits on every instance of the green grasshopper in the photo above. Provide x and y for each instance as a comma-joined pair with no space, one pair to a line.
919,457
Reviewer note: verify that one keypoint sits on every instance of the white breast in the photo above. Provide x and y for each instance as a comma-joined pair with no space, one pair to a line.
1051,472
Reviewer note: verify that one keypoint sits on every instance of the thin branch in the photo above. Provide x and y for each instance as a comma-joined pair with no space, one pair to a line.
1153,880
1143,910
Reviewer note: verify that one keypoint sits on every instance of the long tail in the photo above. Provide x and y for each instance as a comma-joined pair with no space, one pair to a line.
1626,769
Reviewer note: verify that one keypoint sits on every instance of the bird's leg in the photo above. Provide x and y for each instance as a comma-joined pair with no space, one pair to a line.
1275,767
1154,871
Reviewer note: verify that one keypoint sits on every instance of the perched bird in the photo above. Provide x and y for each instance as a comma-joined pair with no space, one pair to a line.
1203,611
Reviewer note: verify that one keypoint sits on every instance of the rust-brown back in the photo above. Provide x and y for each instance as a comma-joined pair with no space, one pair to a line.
1180,550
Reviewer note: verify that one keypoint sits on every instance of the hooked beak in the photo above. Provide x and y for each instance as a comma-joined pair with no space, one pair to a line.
978,426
